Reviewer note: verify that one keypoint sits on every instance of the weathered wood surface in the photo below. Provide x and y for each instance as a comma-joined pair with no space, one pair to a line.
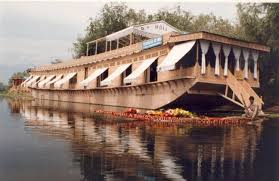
242,90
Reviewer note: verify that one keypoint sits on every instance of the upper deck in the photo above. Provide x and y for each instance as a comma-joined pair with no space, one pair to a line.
167,39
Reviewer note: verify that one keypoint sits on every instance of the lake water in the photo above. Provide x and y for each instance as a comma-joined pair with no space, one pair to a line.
55,141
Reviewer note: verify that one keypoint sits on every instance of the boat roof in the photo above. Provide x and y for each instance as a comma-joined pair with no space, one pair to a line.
148,30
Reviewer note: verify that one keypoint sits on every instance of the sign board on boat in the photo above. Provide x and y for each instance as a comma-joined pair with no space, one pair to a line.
152,43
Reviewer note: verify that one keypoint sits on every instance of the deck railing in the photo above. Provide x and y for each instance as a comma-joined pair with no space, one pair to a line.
120,52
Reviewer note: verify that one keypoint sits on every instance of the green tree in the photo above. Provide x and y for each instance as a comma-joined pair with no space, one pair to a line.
117,16
18,74
112,18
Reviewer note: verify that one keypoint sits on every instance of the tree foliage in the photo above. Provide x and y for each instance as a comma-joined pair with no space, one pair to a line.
117,16
260,23
23,74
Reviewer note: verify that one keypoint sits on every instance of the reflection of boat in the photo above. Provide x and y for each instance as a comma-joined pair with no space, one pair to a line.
257,121
174,153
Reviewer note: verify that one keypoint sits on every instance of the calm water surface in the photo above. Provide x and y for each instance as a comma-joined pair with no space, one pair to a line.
52,141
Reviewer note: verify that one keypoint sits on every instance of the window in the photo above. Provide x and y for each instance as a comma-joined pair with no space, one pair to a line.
73,80
153,71
251,65
127,72
189,60
85,72
231,62
102,77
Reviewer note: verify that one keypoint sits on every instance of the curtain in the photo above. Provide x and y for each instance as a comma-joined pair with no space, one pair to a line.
216,48
204,49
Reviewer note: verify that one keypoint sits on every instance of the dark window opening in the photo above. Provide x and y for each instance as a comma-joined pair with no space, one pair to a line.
39,78
85,72
102,77
210,56
189,60
222,59
241,62
231,62
73,80
52,85
127,72
251,65
199,54
153,71
52,78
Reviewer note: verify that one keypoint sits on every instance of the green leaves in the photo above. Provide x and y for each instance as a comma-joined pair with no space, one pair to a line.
117,16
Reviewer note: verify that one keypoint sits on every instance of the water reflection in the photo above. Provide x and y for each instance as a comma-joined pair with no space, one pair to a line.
107,148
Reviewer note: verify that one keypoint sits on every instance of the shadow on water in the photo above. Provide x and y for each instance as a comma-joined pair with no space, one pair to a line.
106,148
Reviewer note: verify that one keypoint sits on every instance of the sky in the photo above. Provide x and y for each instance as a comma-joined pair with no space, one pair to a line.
36,33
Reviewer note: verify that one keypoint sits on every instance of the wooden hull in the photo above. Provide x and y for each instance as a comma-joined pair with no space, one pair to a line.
145,96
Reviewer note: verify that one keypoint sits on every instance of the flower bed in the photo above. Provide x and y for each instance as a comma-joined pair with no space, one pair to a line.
190,119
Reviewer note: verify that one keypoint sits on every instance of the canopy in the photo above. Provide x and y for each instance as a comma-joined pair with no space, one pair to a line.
143,66
93,76
26,80
176,53
149,30
42,78
115,74
32,80
43,82
57,78
59,83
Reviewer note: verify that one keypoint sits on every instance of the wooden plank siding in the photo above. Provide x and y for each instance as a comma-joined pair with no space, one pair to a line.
220,39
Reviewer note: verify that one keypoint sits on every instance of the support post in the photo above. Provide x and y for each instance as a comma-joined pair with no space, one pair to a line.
131,38
226,90
87,49
117,46
110,46
96,50
106,46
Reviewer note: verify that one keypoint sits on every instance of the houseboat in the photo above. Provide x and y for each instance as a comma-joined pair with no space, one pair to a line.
153,66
